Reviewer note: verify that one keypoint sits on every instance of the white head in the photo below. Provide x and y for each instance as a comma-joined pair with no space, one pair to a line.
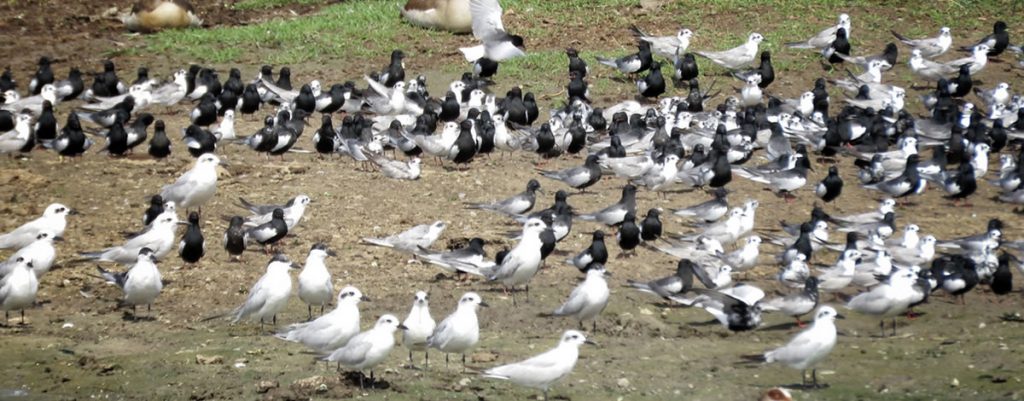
979,51
534,226
56,209
208,160
471,300
844,20
415,162
826,314
389,323
755,38
911,228
420,299
754,240
229,115
575,338
350,295
684,35
944,31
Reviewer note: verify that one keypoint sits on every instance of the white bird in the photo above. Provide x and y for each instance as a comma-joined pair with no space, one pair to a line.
141,283
839,276
588,299
269,295
40,253
369,348
824,38
293,210
522,262
195,187
315,280
929,47
54,220
226,129
411,240
18,289
332,330
418,326
460,331
887,299
543,370
744,258
159,238
14,140
737,57
497,44
809,347
399,170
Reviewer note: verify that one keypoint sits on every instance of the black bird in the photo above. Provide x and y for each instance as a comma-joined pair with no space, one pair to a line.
485,68
580,177
160,145
577,88
250,100
841,45
234,238
109,82
576,64
192,246
677,284
193,72
465,147
548,239
228,100
156,207
765,69
269,233
395,71
546,146
831,187
333,100
961,184
821,99
137,131
532,111
6,81
955,274
7,119
44,75
1002,279
141,76
117,140
578,134
720,168
106,118
207,82
634,63
739,314
596,253
234,83
450,108
71,141
653,85
284,78
46,125
199,141
650,227
685,69
514,107
324,138
70,88
205,114
963,83
997,41
628,236
305,101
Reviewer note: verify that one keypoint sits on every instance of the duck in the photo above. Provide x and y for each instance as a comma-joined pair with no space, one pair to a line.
154,15
446,15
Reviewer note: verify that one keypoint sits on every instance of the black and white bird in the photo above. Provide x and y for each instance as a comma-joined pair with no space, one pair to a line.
831,186
652,85
234,238
996,42
580,177
141,283
650,227
596,253
679,283
707,211
159,145
628,236
614,214
496,44
634,63
269,233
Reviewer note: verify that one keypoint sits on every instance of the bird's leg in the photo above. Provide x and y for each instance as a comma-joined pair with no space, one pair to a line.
321,310
799,323
446,360
275,320
22,317
463,363
803,378
894,327
372,380
135,315
814,377
545,394
361,386
527,293
411,365
881,324
309,308
426,359
594,329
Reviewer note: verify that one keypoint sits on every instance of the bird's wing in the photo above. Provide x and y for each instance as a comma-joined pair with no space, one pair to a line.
577,299
352,353
486,16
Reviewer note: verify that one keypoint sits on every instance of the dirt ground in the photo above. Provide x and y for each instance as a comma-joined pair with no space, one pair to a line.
79,345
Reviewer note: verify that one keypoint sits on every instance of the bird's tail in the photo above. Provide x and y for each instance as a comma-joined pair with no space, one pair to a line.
900,37
473,53
635,30
607,61
112,277
799,45
377,242
755,358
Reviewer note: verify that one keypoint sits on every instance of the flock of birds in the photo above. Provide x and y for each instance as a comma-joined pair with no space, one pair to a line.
668,144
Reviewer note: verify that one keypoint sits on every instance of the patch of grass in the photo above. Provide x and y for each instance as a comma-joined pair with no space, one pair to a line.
265,4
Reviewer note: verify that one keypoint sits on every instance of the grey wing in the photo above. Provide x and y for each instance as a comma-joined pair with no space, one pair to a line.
256,299
703,276
575,303
440,335
352,353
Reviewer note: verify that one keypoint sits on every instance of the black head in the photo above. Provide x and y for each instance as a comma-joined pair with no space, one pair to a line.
999,27
145,251
833,170
561,196
653,212
44,61
841,33
655,66
285,72
628,189
766,56
571,52
156,200
193,218
397,54
533,185
319,246
517,41
630,217
159,124
266,71
476,243
598,235
108,66
278,213
236,221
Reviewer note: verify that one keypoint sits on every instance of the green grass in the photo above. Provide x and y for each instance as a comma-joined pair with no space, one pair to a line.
265,4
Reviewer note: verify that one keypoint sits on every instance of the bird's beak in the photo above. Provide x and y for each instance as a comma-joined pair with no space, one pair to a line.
590,342
183,223
607,273
293,266
364,298
402,327
224,163
59,239
74,212
484,304
331,253
839,316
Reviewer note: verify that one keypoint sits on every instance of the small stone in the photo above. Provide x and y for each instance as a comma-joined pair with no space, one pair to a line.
955,383
981,325
465,382
623,383
209,360
322,388
264,386
72,325
646,312
483,357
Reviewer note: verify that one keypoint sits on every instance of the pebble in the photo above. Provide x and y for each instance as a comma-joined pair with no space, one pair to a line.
623,383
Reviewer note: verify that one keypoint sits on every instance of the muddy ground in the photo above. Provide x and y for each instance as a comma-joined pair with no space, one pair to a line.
78,344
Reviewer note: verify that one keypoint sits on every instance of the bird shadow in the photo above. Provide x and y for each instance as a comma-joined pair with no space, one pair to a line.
781,327
127,316
806,387
358,378
712,322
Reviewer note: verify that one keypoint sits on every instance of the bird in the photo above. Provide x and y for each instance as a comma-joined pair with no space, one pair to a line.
764,69
315,286
543,370
628,236
588,299
332,330
399,170
744,258
707,211
471,257
887,299
411,240
17,139
736,308
650,227
159,238
796,304
831,186
824,38
614,214
520,203
633,63
496,43
234,238
40,253
521,263
580,177
53,220
18,289
996,42
665,46
159,145
154,15
269,233
652,85
447,15
192,246
809,347
677,284
43,76
368,349
577,66
418,326
460,331
929,47
270,293
737,57
593,255
294,210
195,187
141,283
